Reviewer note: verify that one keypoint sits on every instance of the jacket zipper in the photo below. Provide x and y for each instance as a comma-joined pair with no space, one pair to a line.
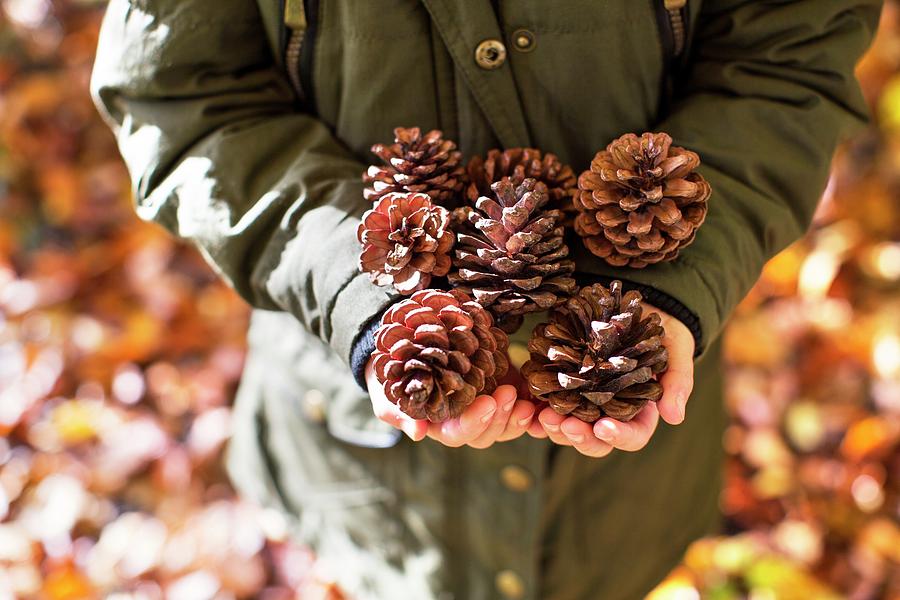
301,17
671,18
294,50
295,20
675,10
672,21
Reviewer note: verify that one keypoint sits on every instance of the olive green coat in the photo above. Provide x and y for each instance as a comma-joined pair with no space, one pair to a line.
222,153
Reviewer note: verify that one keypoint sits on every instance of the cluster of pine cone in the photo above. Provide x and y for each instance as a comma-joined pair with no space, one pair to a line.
493,232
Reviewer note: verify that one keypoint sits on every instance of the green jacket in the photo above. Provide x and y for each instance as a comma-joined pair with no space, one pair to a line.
256,158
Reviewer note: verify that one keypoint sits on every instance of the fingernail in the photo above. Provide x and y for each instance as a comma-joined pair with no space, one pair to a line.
525,421
681,401
551,427
606,431
509,405
488,416
575,438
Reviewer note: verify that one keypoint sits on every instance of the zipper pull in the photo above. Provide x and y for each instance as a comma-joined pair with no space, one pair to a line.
295,20
295,14
675,9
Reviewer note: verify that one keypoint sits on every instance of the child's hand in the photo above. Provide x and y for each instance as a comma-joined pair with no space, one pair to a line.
607,434
489,419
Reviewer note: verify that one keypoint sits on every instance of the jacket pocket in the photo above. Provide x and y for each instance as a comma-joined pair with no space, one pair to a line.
332,400
315,381
345,497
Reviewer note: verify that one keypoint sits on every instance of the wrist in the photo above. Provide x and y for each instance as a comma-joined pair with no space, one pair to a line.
362,350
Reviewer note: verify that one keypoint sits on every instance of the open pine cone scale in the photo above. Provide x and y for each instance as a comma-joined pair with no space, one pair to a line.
435,351
641,201
418,163
511,255
406,241
519,164
598,355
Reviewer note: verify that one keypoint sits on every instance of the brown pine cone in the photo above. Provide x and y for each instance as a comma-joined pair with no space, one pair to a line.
596,356
641,201
519,164
415,163
406,240
436,351
510,254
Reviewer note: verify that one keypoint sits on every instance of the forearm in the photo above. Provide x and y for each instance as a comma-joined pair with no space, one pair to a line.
769,94
220,156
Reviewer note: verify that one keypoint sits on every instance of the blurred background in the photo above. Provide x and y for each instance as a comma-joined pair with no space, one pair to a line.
120,352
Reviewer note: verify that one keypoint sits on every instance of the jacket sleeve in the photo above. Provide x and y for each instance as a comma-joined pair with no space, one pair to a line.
769,93
219,155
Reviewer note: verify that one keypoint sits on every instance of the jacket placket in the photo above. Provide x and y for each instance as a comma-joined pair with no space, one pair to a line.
503,487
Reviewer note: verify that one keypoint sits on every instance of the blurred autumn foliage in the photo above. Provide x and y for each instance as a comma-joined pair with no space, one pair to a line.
120,351
119,354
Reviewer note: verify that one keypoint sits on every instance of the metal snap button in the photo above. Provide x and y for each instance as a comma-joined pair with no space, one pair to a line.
523,40
510,584
313,405
516,478
490,54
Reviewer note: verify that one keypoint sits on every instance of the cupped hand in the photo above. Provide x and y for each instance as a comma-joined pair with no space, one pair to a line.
490,418
607,434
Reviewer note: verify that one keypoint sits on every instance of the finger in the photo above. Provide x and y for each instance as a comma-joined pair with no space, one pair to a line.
520,418
632,435
505,397
678,380
677,383
551,421
535,429
389,412
582,437
465,428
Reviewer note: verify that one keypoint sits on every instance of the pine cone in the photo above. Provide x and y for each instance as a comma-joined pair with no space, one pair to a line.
415,163
596,356
519,164
640,202
436,351
406,240
510,253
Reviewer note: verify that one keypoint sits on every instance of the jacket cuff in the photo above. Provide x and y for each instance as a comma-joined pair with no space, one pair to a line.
364,344
362,349
356,313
